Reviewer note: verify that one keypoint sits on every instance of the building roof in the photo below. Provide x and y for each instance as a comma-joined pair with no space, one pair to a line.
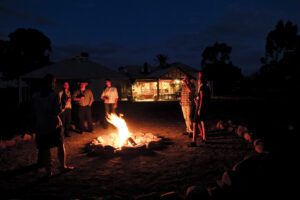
137,71
185,68
75,68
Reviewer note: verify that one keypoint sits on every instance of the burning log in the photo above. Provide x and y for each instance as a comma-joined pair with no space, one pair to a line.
131,141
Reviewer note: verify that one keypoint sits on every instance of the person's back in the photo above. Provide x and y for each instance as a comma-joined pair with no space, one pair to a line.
205,96
46,109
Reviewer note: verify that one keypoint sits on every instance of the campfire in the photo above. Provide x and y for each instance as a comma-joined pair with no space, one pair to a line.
124,141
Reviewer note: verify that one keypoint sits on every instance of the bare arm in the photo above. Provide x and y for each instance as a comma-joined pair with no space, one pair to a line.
200,101
188,87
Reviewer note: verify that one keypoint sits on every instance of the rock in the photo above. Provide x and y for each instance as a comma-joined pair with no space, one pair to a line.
127,150
155,144
170,196
248,136
226,179
259,148
215,192
18,139
73,127
220,125
257,141
109,149
27,137
196,192
99,149
10,143
230,129
240,130
2,145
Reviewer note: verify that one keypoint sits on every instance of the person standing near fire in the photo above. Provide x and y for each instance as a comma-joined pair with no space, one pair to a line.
65,101
187,103
201,110
110,97
84,98
46,109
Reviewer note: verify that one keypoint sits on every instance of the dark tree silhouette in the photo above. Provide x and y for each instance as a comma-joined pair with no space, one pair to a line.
217,66
162,59
281,40
25,51
216,53
280,70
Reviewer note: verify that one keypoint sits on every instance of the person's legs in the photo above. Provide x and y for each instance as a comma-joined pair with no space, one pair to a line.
89,118
200,129
61,154
81,117
46,157
106,107
189,119
203,131
67,124
194,132
112,108
185,116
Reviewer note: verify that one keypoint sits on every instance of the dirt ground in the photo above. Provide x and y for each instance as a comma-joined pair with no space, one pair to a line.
173,168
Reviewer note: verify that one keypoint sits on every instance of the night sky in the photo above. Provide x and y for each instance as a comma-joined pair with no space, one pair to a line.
130,32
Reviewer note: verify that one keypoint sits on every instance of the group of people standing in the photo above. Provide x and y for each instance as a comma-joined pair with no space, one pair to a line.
52,114
83,99
194,104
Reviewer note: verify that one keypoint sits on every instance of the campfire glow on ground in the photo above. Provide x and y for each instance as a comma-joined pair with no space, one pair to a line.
124,139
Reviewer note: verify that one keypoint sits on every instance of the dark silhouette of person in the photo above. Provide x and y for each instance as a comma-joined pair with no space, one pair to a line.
46,108
201,109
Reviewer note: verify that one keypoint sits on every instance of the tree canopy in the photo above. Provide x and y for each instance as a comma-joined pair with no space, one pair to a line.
25,51
280,41
280,66
162,59
217,66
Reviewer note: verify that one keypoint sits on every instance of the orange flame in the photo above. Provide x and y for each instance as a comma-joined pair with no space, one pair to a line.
122,128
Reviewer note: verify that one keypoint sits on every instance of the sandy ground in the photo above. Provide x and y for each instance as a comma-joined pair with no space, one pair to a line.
173,168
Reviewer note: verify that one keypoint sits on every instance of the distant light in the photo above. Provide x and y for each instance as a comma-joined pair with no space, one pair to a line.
177,81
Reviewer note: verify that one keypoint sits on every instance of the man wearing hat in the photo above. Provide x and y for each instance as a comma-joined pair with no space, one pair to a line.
84,98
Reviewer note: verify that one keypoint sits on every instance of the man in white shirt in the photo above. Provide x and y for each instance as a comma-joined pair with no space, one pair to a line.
110,97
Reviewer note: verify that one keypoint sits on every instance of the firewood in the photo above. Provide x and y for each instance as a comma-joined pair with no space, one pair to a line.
131,141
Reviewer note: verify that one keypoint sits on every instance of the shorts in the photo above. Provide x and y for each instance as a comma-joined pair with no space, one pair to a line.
201,117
